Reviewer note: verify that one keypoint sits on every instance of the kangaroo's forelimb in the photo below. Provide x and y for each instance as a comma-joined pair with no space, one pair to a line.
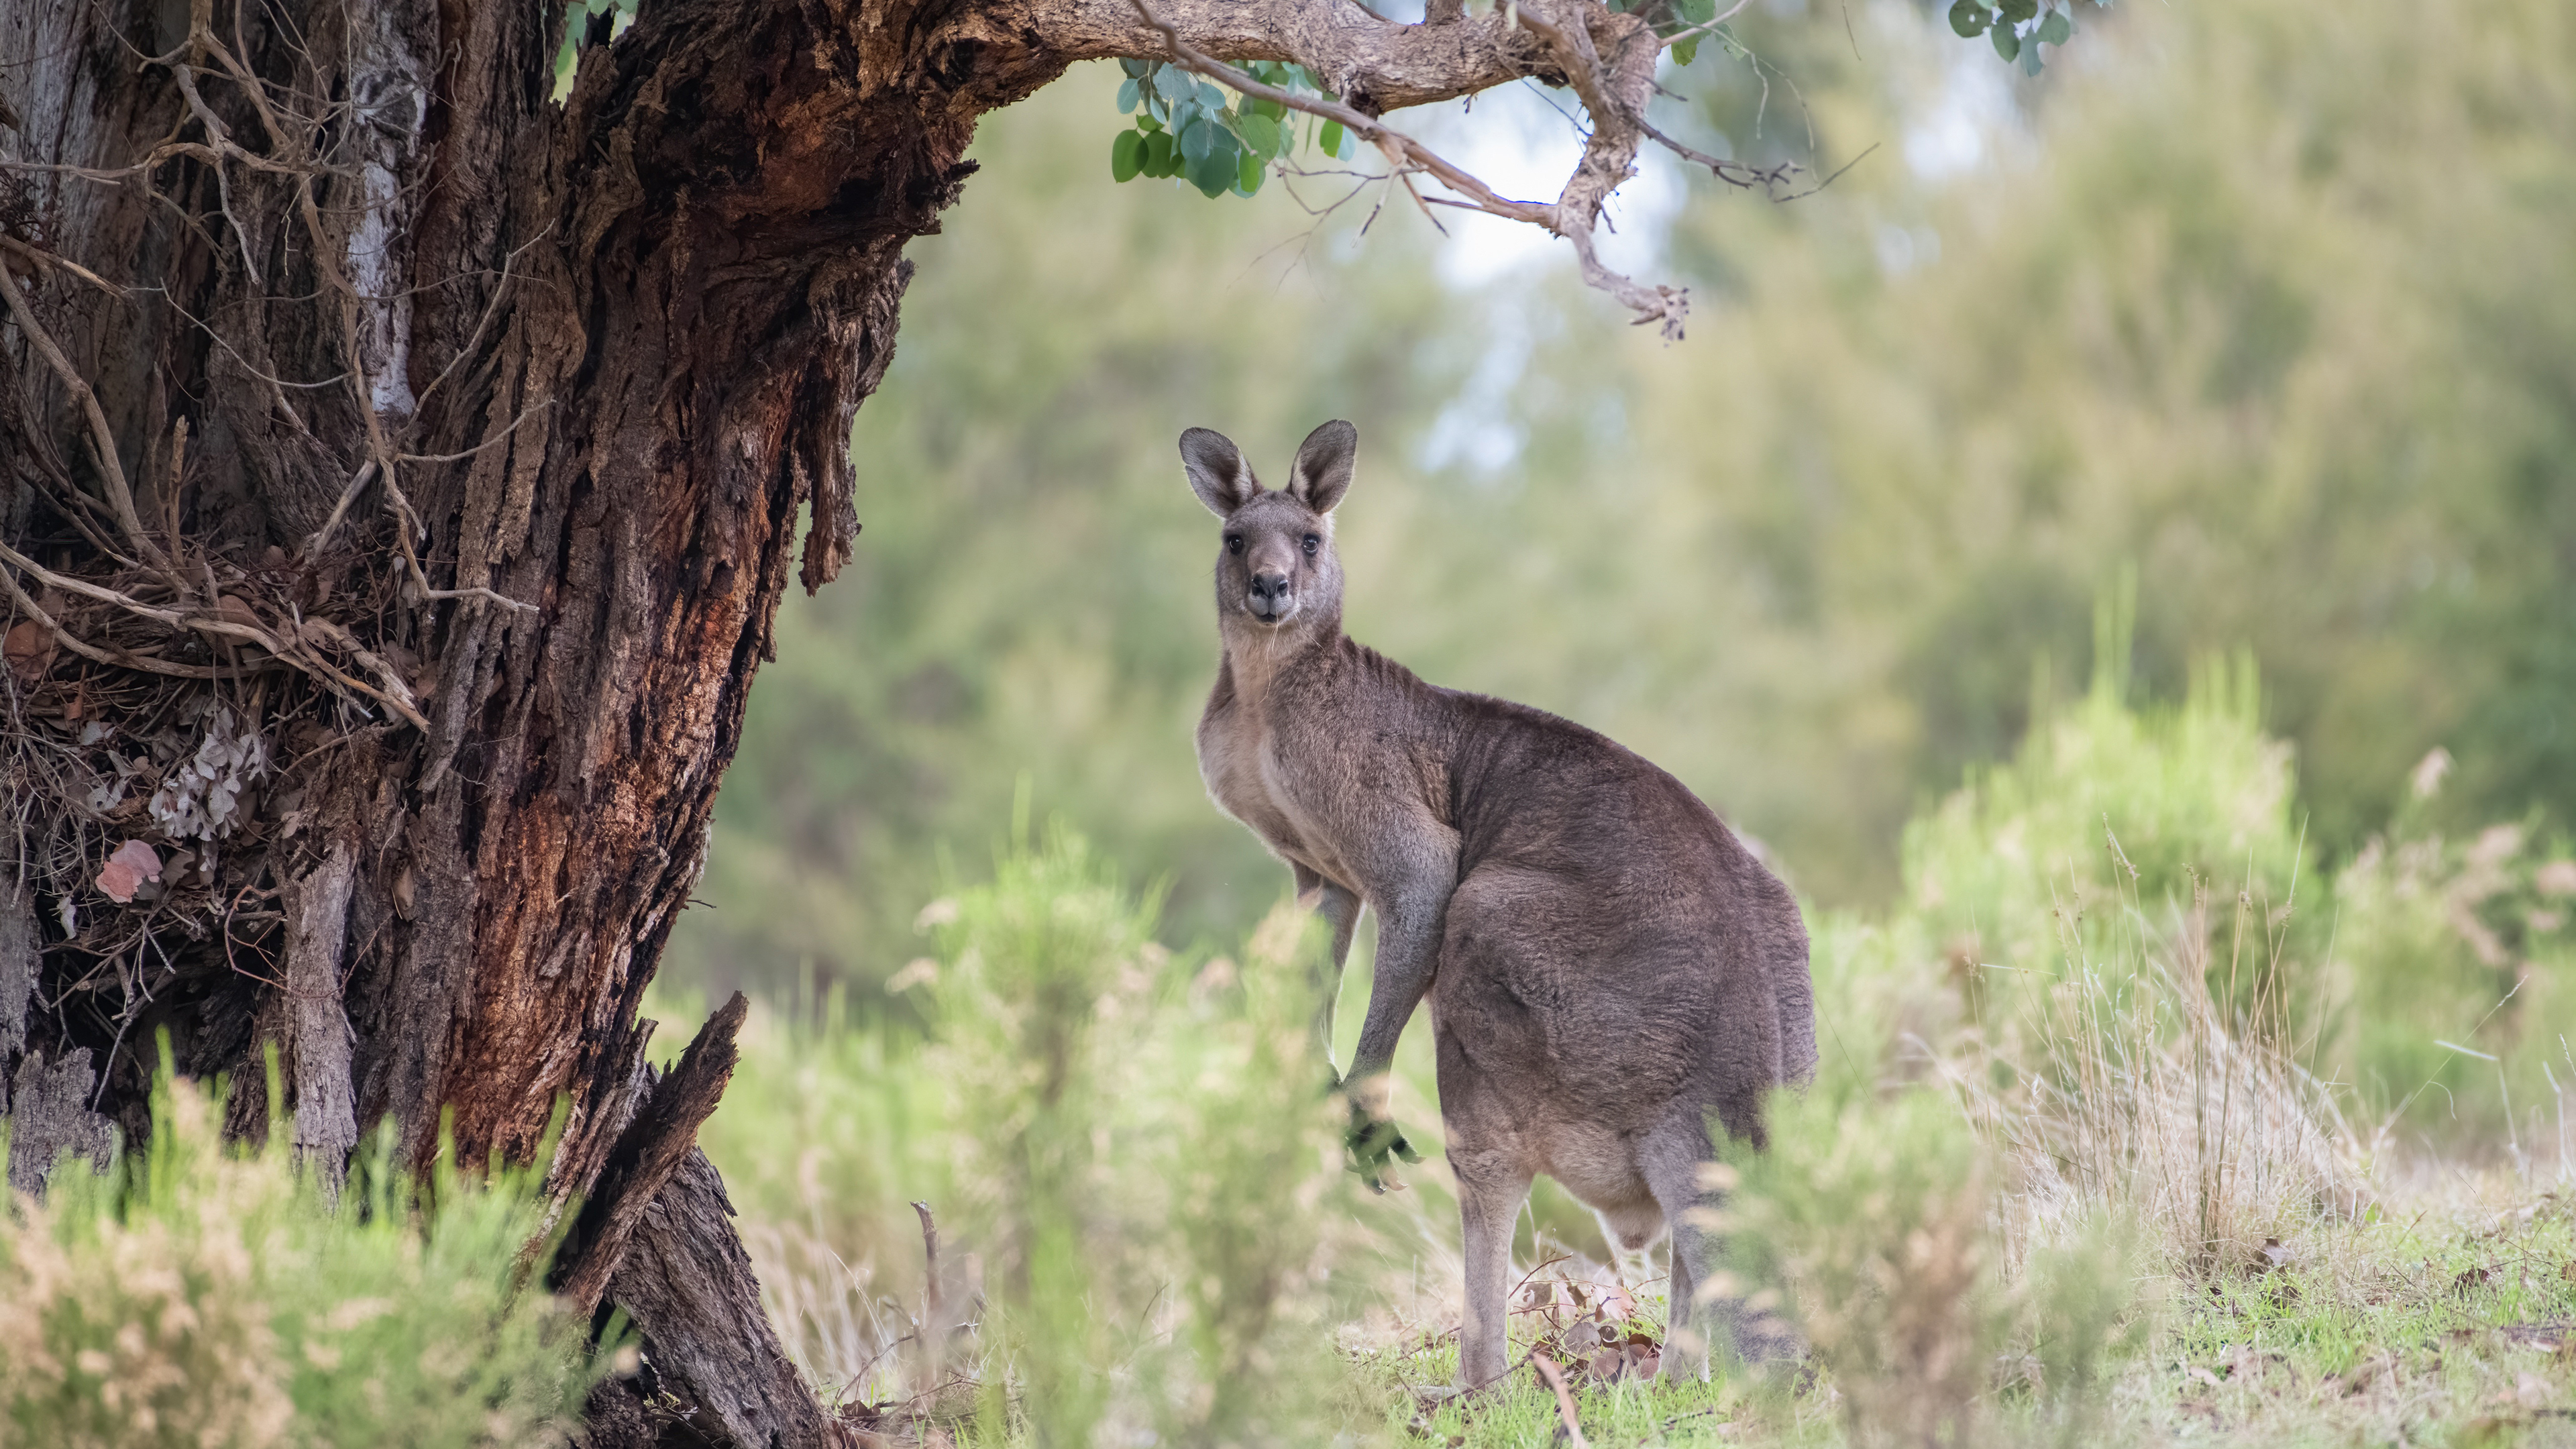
1340,907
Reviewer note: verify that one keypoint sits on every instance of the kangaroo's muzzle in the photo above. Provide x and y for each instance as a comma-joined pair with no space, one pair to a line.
1270,600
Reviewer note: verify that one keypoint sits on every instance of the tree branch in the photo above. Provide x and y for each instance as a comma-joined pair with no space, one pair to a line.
1375,64
1614,94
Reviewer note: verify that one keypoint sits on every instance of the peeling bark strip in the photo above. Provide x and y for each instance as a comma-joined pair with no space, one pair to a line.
648,1152
317,1028
17,976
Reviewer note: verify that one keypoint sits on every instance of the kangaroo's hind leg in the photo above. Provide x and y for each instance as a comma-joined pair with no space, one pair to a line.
1671,1156
1490,1192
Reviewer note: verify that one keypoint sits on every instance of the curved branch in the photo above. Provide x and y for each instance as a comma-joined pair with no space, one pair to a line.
1608,158
1615,93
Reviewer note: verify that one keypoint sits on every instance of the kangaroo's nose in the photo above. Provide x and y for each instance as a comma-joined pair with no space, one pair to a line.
1269,593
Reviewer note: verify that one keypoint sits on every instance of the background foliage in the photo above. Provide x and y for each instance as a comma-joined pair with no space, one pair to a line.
2268,304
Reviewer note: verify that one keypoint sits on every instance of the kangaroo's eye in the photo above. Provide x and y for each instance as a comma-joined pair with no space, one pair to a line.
1313,542
1234,543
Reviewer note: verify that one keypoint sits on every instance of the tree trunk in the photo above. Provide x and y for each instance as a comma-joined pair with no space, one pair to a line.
630,329
399,474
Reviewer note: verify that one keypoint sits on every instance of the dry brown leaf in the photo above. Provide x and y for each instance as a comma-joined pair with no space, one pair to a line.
29,648
127,870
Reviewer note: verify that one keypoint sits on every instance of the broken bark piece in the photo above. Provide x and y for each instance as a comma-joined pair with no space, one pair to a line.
688,1284
650,1148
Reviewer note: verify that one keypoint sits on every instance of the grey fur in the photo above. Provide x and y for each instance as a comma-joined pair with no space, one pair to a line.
1607,965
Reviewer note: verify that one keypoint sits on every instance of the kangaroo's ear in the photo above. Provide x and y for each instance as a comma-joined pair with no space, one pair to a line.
1323,470
1218,474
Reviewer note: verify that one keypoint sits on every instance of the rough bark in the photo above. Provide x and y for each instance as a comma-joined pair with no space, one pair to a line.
415,464
17,973
49,1115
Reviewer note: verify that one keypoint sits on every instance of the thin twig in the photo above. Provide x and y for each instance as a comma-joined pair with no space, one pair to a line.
95,655
1733,173
1564,1401
44,258
348,495
1704,27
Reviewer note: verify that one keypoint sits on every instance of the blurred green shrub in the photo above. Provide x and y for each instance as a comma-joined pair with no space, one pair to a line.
1874,1214
200,1295
1129,1155
1877,1213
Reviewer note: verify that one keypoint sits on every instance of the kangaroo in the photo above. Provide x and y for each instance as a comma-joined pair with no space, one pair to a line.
1607,964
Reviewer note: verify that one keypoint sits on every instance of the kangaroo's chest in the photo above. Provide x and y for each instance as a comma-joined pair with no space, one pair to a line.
1239,759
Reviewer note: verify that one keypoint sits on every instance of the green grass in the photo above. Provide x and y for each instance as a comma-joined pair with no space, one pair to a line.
2089,1158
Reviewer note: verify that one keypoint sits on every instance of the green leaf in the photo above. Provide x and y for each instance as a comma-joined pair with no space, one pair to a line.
1158,154
1126,155
2017,11
1331,140
1214,99
2056,29
1248,174
1970,19
1213,174
1260,135
1126,96
1270,108
1196,139
1148,125
1136,69
1685,50
2030,64
1171,85
2007,44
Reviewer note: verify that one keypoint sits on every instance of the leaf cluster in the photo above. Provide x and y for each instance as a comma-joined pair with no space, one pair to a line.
1184,128
2017,28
